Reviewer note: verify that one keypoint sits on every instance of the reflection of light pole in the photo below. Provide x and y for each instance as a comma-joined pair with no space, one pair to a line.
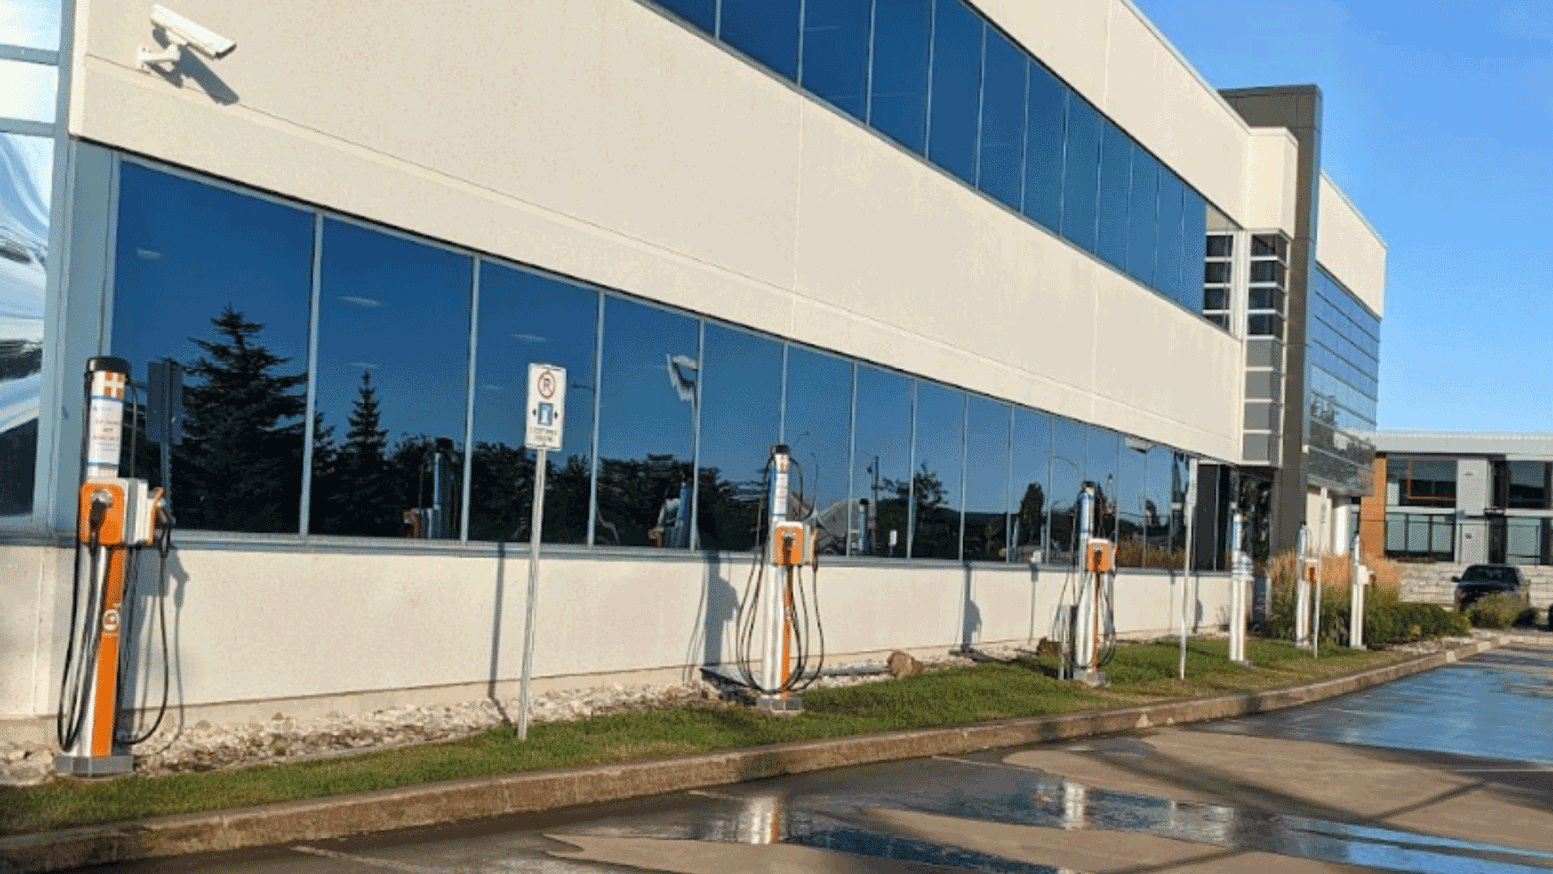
873,546
684,373
1079,475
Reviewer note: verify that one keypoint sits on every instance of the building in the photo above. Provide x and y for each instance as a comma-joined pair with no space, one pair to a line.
963,258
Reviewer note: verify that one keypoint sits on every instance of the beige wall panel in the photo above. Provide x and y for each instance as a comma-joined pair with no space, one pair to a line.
27,623
1070,38
1270,193
664,161
1350,249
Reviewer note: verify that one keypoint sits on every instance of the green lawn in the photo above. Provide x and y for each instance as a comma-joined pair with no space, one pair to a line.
954,696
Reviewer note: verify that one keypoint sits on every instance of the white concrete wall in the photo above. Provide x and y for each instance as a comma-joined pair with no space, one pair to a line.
1271,194
1350,249
256,629
600,139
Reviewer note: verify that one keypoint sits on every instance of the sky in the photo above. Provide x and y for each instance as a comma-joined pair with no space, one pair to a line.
1438,125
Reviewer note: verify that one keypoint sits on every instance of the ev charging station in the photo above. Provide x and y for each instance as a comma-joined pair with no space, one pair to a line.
1239,583
1090,618
117,518
1306,568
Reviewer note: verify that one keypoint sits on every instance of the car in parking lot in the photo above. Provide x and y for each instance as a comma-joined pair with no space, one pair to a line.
1481,580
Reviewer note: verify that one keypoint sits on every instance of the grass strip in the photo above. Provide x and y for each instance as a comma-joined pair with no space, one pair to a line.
1139,673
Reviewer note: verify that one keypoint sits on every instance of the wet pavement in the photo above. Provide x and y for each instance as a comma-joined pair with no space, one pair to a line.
1447,771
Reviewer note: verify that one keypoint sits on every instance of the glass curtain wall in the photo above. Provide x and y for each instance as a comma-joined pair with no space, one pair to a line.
351,381
943,82
29,81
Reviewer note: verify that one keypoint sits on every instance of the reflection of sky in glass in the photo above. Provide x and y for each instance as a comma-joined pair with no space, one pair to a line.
528,317
642,411
27,90
986,478
940,452
33,24
883,431
26,170
399,310
186,251
819,416
1032,470
741,386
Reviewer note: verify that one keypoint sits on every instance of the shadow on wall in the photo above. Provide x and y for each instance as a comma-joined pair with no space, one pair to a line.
970,614
191,67
718,608
153,645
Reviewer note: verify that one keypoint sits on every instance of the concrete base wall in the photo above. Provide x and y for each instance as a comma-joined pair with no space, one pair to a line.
257,629
1431,583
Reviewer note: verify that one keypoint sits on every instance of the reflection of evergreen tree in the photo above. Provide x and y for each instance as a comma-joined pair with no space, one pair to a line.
358,496
632,493
241,461
937,532
1032,516
728,512
501,494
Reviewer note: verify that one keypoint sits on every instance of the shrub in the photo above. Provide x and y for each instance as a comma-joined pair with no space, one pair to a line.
1498,611
1387,619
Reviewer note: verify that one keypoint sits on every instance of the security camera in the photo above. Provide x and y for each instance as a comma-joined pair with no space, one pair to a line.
182,32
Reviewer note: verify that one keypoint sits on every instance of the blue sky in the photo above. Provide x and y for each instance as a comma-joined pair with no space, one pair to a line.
1439,126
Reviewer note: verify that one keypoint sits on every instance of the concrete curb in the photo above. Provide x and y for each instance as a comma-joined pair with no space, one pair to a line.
474,798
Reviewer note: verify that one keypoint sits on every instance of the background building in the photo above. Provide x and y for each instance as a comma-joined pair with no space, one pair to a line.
963,258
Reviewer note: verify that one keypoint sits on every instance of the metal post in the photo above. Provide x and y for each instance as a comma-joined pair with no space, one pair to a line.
1189,511
1302,589
541,464
1315,621
772,607
1357,579
1237,590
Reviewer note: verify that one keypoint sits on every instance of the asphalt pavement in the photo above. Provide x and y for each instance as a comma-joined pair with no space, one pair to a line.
1444,771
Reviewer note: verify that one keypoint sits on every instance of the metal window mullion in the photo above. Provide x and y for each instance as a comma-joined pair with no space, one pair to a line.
25,55
852,464
927,118
27,127
868,64
965,437
315,295
911,474
598,406
469,408
981,108
1024,134
798,70
782,397
1010,548
695,438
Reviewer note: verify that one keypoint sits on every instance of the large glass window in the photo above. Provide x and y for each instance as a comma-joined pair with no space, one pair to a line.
835,54
393,384
987,431
741,418
649,389
1029,492
956,91
1131,518
1143,216
1081,175
818,431
1101,469
527,317
1526,541
999,172
241,343
1115,199
1167,262
1420,482
1158,518
1527,485
935,487
766,30
31,24
1194,246
881,466
1045,137
1421,537
898,106
1067,477
27,90
701,13
26,174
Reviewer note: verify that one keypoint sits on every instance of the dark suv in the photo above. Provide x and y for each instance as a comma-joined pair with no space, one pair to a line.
1479,580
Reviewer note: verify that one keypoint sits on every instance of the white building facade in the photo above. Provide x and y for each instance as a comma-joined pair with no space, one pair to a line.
962,258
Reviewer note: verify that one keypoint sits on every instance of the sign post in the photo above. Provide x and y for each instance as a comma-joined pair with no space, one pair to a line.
546,413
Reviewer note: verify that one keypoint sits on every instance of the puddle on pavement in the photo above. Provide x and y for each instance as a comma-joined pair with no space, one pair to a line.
1012,796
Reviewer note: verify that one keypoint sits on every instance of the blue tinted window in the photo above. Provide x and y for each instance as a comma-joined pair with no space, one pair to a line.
529,318
835,53
1067,477
1115,178
1131,481
1158,518
999,172
881,467
987,425
898,108
1167,264
935,483
741,411
24,226
701,13
766,30
818,432
1047,121
956,89
649,387
1194,243
1143,216
242,342
1030,486
393,386
1080,175
1100,469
